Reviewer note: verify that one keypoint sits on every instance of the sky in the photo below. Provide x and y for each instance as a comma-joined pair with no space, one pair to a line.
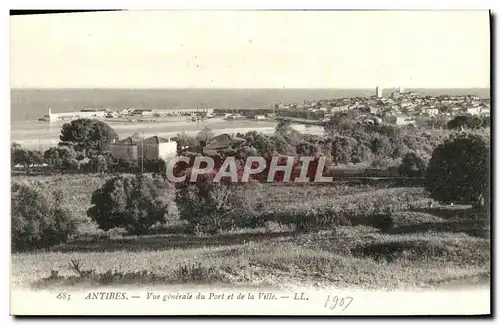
251,49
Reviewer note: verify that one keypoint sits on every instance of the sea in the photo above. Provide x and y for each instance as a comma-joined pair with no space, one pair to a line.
28,105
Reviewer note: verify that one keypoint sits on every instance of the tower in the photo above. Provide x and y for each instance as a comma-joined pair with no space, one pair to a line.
49,117
379,92
401,90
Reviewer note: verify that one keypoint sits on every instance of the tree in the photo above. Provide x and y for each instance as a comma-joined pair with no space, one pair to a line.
283,127
264,144
342,149
413,165
381,145
459,169
157,166
212,206
59,158
305,148
284,144
186,142
399,147
128,201
382,162
469,122
88,135
244,152
460,122
439,122
205,136
362,154
38,217
14,157
100,164
338,122
125,166
27,158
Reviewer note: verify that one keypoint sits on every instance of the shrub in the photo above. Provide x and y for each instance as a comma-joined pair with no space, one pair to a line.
157,166
413,165
373,208
125,166
205,136
100,164
459,169
383,162
342,149
60,158
212,206
187,143
127,201
38,217
469,122
24,157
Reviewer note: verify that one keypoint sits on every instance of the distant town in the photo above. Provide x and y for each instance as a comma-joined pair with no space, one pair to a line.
399,108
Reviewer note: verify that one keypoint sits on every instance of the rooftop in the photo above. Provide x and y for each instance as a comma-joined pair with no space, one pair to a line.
156,140
222,141
135,139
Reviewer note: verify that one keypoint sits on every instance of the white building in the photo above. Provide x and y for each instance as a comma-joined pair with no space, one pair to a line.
404,120
485,111
379,92
133,148
432,111
85,113
125,149
157,148
473,110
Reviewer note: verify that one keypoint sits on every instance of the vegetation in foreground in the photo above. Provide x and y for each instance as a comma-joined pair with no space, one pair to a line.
423,247
354,257
353,235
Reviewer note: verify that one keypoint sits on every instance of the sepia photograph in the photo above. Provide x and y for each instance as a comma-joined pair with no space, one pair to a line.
250,162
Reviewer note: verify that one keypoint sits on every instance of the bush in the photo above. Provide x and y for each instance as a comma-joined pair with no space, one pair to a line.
469,122
157,166
383,162
38,217
373,208
60,158
459,170
413,165
127,201
212,207
100,164
125,166
24,157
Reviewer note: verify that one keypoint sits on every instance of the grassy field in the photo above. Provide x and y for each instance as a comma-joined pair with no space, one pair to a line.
425,247
79,190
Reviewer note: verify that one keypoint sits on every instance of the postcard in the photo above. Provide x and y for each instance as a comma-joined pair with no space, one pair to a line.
204,162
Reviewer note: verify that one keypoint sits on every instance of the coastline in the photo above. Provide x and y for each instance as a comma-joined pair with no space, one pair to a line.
36,134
